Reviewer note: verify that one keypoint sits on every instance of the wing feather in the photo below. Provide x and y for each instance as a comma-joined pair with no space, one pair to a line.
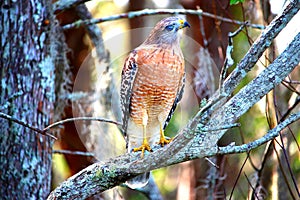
128,76
176,101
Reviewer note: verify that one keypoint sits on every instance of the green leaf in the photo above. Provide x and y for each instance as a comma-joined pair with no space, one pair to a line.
233,2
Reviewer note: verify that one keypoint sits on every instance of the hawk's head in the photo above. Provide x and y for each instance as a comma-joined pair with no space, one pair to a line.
166,31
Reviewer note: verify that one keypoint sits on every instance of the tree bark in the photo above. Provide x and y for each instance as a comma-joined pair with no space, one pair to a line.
26,93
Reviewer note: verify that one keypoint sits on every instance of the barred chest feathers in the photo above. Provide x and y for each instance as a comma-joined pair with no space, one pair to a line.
156,84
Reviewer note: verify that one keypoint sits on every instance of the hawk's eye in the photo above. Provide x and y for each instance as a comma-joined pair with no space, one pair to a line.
170,27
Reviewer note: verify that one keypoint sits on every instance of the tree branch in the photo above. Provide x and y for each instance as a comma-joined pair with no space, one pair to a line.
99,119
61,5
94,32
259,86
272,134
76,153
10,118
145,12
192,142
260,45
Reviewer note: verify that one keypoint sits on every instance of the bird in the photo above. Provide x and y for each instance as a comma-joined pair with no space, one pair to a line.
152,84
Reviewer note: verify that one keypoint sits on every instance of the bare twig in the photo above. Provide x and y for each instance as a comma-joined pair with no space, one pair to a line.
212,163
145,12
10,99
228,60
268,150
77,153
282,169
10,118
99,119
292,82
211,178
238,176
268,137
202,30
61,5
255,192
290,87
288,167
286,114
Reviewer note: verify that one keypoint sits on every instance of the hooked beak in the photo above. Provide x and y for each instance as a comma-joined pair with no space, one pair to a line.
183,24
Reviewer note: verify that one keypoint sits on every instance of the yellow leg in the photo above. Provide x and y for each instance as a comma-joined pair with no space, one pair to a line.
163,140
145,145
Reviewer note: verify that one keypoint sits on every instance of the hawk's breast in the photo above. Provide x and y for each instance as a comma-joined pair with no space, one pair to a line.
156,84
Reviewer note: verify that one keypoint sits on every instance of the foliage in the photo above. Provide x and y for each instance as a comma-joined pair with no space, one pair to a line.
233,2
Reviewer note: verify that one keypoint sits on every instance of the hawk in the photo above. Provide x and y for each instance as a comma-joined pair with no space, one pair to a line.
152,85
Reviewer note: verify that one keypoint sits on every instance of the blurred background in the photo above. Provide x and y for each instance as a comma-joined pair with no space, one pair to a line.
268,172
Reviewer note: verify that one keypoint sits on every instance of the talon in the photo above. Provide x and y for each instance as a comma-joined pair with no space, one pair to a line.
163,140
143,147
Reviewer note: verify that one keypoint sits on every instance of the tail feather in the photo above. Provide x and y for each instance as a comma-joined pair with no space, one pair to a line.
139,181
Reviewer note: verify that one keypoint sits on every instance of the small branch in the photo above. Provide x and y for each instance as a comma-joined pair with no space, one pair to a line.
202,29
105,92
212,163
145,12
238,176
268,137
10,118
292,82
10,99
284,175
260,45
61,5
76,153
219,128
255,194
297,101
79,119
94,32
286,158
291,88
228,60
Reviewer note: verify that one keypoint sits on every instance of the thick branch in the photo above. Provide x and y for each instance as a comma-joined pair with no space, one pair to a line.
204,144
259,87
190,143
259,46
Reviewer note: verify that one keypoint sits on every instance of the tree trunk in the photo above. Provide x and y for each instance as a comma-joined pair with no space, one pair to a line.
27,94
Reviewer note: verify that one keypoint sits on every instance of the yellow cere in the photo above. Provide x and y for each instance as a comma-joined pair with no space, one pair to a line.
181,22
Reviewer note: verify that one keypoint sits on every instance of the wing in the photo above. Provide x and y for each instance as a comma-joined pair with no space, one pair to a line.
176,101
128,75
